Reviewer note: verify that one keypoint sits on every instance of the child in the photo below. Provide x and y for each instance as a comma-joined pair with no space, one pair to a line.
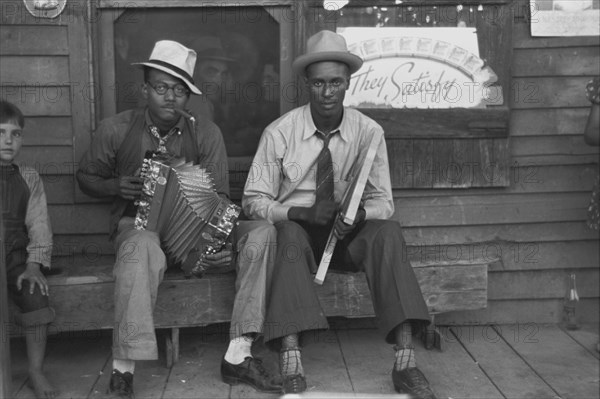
28,245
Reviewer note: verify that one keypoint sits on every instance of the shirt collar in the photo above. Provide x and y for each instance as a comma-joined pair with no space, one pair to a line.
310,129
179,125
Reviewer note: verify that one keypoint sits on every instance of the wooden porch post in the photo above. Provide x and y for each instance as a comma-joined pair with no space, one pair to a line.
6,375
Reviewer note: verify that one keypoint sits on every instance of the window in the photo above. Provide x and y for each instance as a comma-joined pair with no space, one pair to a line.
436,77
239,65
437,145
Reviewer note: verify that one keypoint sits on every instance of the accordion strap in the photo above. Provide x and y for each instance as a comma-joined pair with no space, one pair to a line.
190,143
130,155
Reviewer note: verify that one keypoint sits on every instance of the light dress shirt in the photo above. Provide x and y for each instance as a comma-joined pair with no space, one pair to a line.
283,173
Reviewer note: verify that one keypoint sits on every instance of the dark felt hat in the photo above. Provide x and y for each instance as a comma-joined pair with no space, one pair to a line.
210,48
326,46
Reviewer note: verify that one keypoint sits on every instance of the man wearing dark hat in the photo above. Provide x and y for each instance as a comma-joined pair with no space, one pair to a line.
223,100
111,168
299,174
211,72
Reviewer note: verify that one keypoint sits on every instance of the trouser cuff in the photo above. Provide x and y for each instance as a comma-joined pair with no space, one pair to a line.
36,317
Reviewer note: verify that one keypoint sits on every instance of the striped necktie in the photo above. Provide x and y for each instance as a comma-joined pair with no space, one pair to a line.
324,190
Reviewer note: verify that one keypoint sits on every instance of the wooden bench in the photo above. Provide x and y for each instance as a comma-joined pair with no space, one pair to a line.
83,297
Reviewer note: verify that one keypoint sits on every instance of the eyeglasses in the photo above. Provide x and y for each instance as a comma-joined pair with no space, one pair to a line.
162,88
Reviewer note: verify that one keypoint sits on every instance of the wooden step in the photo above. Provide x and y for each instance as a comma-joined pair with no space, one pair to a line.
83,297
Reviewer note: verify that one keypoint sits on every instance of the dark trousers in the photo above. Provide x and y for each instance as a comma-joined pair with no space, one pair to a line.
375,246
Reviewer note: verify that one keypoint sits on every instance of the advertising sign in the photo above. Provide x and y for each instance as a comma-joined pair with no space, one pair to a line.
565,18
419,68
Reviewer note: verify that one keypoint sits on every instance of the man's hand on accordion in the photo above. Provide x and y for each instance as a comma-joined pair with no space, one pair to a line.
222,258
129,187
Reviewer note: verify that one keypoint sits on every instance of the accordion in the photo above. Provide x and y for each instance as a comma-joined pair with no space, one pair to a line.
179,203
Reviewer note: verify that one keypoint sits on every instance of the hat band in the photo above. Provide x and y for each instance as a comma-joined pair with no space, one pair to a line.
214,53
174,68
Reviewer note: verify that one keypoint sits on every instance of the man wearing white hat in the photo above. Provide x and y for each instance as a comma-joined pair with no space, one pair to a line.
314,148
111,168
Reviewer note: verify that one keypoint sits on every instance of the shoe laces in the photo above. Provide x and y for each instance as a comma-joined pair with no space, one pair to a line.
294,384
122,384
258,364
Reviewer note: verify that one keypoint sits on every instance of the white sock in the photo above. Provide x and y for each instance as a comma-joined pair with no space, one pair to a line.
239,349
124,365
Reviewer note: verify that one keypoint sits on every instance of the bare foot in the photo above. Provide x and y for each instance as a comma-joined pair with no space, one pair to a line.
41,386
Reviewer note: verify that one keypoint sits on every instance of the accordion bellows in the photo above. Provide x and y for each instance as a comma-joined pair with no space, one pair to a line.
179,203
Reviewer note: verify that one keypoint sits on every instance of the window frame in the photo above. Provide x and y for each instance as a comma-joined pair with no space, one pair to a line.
495,43
108,11
422,137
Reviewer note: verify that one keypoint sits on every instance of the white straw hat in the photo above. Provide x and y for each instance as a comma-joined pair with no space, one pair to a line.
175,59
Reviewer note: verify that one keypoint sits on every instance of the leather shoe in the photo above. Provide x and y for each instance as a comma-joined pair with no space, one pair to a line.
295,383
121,384
412,381
251,372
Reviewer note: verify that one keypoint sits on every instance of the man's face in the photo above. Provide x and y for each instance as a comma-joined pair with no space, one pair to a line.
210,75
162,106
327,83
10,142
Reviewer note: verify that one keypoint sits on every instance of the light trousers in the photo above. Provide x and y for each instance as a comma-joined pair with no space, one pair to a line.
140,268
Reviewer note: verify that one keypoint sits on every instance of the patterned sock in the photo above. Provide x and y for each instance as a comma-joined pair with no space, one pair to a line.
124,365
405,358
290,357
290,361
239,349
405,353
290,341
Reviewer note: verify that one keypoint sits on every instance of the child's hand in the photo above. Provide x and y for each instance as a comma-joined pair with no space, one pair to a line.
34,276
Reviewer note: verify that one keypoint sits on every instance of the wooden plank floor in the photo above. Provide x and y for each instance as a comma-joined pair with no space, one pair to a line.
506,361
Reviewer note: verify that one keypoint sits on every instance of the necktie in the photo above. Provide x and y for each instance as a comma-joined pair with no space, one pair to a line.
324,190
162,140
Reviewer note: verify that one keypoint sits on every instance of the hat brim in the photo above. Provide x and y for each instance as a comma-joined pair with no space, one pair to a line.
171,72
353,61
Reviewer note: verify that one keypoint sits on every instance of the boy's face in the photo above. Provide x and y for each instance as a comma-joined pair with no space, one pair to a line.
10,142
